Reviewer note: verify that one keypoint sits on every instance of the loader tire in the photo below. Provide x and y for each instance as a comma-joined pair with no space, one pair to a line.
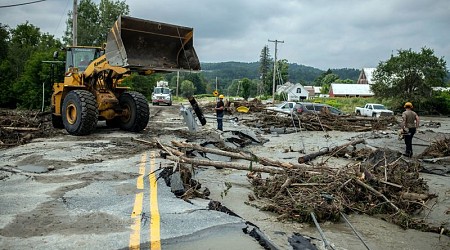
57,121
136,111
79,112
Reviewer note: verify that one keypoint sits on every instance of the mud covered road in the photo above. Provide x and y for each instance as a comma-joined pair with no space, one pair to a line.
97,191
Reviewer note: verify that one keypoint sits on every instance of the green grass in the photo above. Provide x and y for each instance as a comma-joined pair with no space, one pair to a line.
348,105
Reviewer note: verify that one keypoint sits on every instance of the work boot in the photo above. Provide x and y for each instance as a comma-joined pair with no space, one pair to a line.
407,154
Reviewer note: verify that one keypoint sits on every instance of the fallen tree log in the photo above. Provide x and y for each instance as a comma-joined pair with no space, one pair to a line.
250,167
178,156
312,156
250,157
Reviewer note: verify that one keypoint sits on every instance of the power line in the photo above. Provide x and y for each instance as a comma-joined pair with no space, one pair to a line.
19,4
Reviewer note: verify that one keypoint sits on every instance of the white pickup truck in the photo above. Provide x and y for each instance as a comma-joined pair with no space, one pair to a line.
373,110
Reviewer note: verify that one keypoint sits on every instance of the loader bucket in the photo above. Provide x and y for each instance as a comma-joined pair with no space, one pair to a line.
146,45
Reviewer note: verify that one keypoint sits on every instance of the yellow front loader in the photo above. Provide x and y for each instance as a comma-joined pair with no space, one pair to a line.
91,89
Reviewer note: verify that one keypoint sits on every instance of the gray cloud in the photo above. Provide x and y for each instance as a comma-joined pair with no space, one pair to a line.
323,34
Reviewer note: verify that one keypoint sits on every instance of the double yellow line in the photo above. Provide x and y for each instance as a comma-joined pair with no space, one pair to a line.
137,216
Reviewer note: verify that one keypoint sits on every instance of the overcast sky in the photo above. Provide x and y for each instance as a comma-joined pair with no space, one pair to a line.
317,33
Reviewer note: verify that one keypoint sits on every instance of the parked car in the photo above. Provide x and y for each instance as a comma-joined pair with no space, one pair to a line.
285,107
308,107
373,110
304,107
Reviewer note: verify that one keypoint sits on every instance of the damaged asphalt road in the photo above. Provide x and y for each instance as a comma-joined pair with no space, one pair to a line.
85,192
97,191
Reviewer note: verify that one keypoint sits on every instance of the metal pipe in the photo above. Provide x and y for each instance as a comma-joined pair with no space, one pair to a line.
325,241
354,230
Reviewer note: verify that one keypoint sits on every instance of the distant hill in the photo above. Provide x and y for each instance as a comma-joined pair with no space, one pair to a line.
226,72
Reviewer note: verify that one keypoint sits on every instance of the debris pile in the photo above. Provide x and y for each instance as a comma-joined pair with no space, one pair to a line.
439,148
384,184
254,105
19,127
322,122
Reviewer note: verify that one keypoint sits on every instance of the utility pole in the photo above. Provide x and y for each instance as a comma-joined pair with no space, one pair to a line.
178,80
274,67
74,23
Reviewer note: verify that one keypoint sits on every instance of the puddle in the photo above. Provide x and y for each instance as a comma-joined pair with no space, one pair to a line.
33,169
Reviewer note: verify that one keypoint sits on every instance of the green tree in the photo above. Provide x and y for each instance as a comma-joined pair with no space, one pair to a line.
24,40
94,21
318,80
187,88
409,76
6,75
4,41
282,73
265,61
200,87
246,85
24,67
325,89
28,88
109,12
143,84
329,79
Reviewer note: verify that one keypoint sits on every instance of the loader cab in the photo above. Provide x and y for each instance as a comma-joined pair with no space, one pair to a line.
81,57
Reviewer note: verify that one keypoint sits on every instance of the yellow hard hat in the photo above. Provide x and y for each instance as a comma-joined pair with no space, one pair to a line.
408,105
221,96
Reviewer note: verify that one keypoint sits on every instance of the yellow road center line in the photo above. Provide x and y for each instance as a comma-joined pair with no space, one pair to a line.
135,236
140,179
155,236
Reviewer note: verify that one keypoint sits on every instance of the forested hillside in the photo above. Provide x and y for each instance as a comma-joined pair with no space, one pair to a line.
226,72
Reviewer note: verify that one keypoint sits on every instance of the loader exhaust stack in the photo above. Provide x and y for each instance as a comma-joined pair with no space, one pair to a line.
147,45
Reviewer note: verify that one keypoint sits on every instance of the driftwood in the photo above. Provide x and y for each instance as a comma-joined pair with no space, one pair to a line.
309,157
390,183
250,167
377,194
414,196
178,156
21,129
262,160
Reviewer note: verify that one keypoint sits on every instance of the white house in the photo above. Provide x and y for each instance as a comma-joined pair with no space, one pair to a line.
293,92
